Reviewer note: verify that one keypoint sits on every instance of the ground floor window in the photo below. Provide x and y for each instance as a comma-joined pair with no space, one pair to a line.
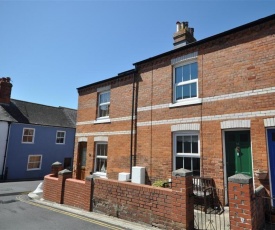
34,162
187,152
101,157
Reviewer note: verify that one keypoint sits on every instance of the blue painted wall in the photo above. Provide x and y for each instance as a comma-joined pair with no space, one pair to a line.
44,144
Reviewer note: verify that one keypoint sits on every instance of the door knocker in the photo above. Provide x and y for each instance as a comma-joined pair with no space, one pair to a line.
238,150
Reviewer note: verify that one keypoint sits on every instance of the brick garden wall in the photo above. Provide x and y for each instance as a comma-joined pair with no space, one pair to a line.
78,193
133,202
50,191
161,207
247,208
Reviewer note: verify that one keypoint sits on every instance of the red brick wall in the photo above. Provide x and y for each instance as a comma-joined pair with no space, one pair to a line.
154,147
118,155
161,207
241,206
54,187
50,191
247,209
78,193
120,104
133,202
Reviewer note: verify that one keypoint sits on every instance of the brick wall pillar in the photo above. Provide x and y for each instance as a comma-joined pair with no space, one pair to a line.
182,199
241,211
56,167
62,176
88,193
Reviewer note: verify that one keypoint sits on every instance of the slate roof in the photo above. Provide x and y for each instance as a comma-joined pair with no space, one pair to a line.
32,113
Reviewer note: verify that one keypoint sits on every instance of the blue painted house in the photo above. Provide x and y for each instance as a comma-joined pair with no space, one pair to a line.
33,136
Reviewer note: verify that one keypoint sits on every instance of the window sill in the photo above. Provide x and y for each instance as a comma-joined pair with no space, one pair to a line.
102,120
186,102
101,175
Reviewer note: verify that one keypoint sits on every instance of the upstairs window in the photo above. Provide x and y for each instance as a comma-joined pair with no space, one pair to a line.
60,137
103,104
185,81
28,135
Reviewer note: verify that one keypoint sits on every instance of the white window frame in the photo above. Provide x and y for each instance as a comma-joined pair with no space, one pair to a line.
32,169
24,142
186,101
191,155
64,137
101,174
103,119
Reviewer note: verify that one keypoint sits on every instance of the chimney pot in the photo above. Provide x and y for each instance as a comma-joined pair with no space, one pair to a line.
5,90
184,35
178,26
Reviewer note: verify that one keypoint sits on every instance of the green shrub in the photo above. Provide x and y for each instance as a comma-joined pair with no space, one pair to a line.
159,183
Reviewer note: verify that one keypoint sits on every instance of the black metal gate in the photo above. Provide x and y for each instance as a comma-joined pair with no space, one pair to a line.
209,213
265,212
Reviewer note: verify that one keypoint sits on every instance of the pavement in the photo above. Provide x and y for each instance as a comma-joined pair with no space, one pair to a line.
32,189
16,188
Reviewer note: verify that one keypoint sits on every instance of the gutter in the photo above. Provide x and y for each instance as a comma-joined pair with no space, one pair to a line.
6,151
125,73
132,125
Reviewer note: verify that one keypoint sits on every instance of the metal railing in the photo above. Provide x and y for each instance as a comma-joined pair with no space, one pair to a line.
209,213
265,215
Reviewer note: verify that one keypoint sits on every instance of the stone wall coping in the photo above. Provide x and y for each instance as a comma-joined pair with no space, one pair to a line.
90,177
57,163
73,180
64,171
259,189
51,177
182,172
240,179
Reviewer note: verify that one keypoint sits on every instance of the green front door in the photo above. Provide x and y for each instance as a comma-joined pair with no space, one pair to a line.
238,153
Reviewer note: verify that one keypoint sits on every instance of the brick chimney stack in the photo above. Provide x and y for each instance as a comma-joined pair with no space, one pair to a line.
184,35
5,90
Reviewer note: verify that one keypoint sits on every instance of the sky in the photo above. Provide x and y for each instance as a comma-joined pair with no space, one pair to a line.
49,48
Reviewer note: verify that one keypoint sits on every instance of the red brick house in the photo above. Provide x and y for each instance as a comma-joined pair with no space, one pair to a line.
207,106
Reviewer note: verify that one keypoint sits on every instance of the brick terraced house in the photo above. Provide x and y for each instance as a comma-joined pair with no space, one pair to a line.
207,106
